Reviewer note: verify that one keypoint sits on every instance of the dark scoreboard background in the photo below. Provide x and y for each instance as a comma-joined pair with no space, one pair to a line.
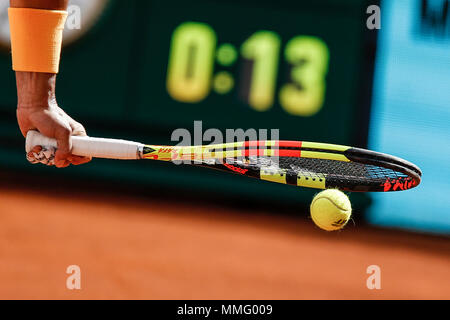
146,68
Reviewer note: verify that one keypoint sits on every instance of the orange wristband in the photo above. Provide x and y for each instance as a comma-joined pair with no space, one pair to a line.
36,39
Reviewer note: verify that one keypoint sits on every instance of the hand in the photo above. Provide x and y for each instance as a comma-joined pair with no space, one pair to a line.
53,122
37,110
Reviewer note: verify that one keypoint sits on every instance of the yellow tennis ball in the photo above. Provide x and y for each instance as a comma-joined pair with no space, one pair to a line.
331,209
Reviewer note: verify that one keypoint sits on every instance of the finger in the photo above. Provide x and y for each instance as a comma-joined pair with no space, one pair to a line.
77,160
63,137
77,128
62,163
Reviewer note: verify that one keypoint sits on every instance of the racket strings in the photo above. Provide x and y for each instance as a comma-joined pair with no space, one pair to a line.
339,168
318,168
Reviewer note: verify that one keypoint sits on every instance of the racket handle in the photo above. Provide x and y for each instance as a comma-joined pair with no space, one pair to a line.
89,147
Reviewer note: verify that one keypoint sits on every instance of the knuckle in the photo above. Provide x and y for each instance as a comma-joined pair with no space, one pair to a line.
63,131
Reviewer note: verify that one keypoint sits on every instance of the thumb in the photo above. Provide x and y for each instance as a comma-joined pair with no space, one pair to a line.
63,137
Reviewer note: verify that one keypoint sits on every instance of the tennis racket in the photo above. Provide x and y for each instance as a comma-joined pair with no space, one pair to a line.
298,163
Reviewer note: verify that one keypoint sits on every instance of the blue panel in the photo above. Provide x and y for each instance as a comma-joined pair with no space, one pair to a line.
411,112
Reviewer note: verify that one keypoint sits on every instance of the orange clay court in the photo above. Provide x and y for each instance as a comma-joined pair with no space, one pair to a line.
136,248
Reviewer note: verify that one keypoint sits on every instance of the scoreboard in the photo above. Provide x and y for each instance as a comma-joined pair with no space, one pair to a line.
141,69
253,64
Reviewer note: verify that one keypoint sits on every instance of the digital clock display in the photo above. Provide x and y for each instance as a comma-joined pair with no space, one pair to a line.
247,64
194,51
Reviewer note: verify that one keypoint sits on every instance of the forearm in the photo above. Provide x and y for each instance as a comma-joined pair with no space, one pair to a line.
36,40
35,88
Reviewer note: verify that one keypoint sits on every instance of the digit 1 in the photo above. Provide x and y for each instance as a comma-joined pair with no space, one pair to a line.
263,48
191,62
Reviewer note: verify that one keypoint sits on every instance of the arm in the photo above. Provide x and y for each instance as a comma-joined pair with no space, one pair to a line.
36,100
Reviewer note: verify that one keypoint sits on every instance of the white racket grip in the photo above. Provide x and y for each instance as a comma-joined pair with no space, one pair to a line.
90,147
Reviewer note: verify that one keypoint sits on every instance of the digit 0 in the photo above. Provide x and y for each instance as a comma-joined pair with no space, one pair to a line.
191,62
